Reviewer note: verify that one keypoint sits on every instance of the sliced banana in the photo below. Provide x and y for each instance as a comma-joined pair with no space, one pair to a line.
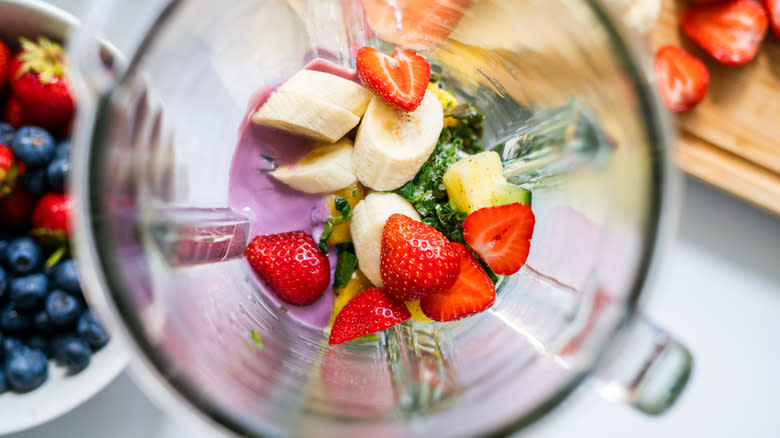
367,224
304,115
392,145
327,168
333,89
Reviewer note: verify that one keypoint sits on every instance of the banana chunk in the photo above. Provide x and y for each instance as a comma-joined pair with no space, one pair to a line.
330,88
392,145
327,168
368,223
304,115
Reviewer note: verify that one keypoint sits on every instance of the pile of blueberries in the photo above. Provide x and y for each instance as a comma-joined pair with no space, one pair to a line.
42,310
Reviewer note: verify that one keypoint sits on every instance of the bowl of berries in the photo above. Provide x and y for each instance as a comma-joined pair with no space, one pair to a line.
54,353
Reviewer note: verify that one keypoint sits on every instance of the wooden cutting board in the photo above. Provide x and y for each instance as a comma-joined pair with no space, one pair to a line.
732,138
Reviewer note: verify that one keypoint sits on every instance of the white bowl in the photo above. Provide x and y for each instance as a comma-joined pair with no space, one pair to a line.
60,393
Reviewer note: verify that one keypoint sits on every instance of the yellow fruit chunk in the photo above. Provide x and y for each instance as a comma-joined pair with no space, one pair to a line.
446,99
341,297
416,311
471,182
353,195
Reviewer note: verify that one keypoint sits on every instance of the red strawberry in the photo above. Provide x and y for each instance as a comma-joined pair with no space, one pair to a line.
730,31
5,59
472,292
15,209
12,113
400,80
416,259
291,264
9,170
773,10
370,311
501,235
682,78
39,82
51,217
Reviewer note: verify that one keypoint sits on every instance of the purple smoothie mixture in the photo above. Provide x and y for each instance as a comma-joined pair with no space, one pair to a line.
273,207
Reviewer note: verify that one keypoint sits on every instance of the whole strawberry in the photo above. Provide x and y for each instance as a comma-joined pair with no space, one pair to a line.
39,82
16,208
416,259
8,170
51,218
12,113
292,265
370,311
5,60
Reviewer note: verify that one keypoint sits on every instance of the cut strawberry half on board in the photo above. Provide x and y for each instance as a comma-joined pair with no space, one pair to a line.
773,10
473,292
682,79
400,79
371,311
730,31
292,265
501,235
416,259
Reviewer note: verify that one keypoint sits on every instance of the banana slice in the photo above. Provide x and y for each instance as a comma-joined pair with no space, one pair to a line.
327,168
333,89
392,145
304,115
366,226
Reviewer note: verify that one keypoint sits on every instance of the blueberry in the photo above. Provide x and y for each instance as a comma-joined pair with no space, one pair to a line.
29,292
73,352
65,276
35,181
62,150
26,369
12,321
90,330
63,309
39,342
33,146
6,134
10,345
23,255
41,323
57,173
3,281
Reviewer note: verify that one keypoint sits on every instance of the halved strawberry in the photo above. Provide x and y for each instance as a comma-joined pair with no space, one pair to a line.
371,311
501,235
730,31
773,10
400,80
682,78
473,292
416,259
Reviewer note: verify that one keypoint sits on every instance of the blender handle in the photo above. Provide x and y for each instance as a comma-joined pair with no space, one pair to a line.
647,368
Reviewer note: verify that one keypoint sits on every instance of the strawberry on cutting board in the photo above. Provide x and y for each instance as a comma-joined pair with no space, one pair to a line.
416,259
731,31
400,79
371,311
773,11
682,78
292,265
501,235
473,292
39,83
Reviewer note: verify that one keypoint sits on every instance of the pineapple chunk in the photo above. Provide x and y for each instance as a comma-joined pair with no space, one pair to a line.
353,195
358,283
416,311
446,99
471,182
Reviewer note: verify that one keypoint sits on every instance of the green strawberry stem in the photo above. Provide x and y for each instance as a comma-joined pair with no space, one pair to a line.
56,256
45,58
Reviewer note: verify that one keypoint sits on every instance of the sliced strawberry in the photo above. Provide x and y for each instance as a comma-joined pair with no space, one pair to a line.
682,78
12,113
773,10
16,208
473,292
501,235
416,259
730,31
400,80
39,82
292,265
371,311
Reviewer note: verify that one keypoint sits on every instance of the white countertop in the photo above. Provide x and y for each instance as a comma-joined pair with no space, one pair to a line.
717,290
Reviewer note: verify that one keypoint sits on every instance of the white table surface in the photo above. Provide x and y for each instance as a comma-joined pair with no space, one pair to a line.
717,290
